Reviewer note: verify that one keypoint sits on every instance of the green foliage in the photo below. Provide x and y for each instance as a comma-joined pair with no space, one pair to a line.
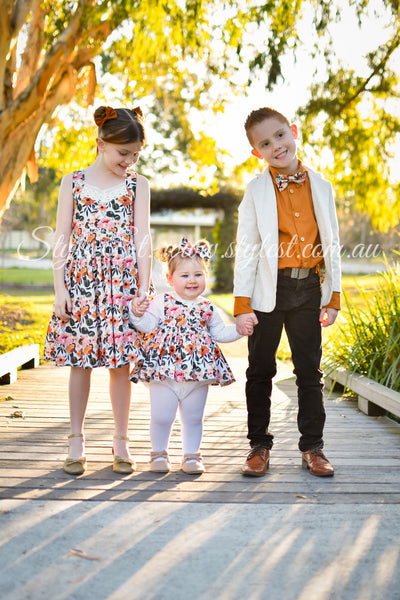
370,336
71,145
35,206
24,320
224,235
175,57
354,116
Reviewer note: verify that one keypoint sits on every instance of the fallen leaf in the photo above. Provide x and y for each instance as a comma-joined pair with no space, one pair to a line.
82,554
7,399
301,496
18,414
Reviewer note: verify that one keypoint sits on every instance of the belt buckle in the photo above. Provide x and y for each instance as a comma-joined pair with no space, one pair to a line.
298,273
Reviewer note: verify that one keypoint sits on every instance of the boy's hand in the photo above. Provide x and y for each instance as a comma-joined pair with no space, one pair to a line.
327,316
139,305
245,323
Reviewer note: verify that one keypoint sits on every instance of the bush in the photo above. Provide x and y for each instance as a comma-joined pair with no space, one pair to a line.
369,341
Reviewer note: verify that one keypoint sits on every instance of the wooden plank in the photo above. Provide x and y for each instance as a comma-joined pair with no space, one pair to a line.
213,497
365,451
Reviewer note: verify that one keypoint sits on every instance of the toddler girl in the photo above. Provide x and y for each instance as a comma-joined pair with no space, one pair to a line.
181,357
105,265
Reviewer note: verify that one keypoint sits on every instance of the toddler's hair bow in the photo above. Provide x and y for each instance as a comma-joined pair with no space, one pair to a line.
188,249
282,181
106,114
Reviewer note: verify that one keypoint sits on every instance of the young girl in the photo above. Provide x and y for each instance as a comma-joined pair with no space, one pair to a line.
106,208
181,358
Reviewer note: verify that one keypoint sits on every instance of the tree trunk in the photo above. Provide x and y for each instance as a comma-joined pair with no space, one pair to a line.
32,90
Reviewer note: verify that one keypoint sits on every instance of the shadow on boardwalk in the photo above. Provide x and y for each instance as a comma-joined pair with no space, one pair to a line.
218,536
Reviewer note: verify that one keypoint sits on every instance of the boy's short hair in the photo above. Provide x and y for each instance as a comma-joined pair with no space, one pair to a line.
259,115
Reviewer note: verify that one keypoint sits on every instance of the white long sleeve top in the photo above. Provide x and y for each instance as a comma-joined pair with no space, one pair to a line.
154,315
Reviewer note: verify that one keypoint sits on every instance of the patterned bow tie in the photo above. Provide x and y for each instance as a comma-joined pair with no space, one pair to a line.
282,181
187,249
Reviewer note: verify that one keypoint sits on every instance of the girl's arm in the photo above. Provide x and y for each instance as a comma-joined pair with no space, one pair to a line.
62,300
142,234
151,318
221,332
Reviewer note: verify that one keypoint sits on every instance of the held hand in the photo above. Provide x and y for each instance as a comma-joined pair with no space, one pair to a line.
62,305
139,305
250,326
143,300
327,316
245,323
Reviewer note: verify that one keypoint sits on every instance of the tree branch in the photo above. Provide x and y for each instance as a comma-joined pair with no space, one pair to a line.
376,70
33,95
20,12
31,55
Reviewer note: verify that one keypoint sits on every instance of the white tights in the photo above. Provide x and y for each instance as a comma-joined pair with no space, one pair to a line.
164,404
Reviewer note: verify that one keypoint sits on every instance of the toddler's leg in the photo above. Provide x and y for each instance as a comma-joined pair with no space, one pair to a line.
164,404
79,387
191,411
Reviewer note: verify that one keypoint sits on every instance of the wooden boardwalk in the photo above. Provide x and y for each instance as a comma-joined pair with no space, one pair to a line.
33,441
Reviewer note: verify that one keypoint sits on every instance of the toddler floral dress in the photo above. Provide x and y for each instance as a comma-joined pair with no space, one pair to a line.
101,277
183,347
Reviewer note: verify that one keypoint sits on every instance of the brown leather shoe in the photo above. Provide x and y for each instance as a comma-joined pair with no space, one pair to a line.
257,462
317,463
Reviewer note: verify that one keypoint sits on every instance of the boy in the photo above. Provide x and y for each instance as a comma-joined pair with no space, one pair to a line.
287,266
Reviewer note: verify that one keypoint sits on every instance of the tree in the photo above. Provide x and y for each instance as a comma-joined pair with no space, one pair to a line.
52,52
354,115
174,53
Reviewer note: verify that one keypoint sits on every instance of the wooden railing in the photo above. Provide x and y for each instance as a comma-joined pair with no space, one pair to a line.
374,399
26,357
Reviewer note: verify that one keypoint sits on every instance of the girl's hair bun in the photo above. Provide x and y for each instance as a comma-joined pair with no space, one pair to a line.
120,125
104,114
166,252
138,112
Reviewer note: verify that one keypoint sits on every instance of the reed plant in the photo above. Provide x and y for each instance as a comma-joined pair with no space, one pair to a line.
369,336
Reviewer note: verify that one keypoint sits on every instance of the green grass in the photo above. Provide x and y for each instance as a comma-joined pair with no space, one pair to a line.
24,318
22,276
24,313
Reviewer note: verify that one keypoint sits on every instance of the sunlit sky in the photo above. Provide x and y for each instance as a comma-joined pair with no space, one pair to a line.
351,44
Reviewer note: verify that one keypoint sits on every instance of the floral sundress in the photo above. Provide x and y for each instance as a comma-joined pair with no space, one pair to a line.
181,348
101,276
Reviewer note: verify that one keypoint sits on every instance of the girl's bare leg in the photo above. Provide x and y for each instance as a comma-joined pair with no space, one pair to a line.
79,387
120,393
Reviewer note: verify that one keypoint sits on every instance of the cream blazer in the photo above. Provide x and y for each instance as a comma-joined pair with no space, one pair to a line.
257,245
